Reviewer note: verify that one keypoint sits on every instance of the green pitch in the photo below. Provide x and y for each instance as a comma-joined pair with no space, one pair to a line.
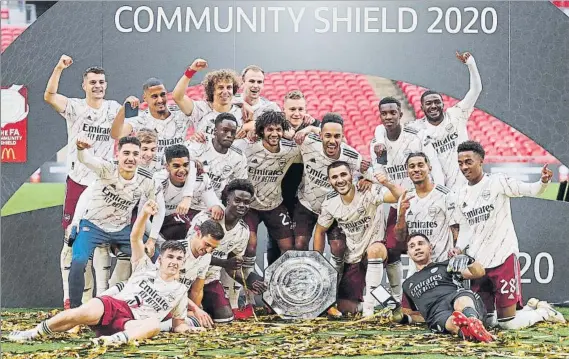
32,196
271,337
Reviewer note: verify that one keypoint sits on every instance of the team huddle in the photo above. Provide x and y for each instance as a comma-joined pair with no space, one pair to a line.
181,215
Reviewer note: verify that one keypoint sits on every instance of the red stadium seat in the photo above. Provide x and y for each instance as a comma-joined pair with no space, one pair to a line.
498,138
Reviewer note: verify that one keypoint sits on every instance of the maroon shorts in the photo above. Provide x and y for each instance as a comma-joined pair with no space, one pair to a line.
277,221
501,286
73,191
115,316
175,226
305,220
214,297
192,213
353,282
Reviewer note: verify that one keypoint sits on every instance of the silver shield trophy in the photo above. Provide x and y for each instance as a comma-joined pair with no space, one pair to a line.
300,285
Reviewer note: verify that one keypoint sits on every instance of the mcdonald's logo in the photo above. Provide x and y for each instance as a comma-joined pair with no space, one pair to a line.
8,154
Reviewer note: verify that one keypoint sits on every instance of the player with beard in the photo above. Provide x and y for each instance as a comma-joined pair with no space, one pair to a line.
228,257
360,217
295,112
107,219
426,210
90,117
135,312
397,142
318,152
267,162
436,291
221,160
447,129
485,204
220,87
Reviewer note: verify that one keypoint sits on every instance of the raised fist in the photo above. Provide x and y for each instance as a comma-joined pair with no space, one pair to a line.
83,142
150,207
64,62
198,64
463,57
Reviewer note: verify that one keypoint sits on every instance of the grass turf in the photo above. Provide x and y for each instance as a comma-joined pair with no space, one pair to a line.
273,338
33,196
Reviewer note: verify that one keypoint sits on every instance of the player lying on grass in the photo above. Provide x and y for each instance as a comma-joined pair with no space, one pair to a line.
436,291
151,293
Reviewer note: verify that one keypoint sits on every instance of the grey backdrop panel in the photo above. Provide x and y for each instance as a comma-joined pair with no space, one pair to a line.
525,86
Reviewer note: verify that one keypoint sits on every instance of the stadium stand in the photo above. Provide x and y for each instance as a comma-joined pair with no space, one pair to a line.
502,142
354,98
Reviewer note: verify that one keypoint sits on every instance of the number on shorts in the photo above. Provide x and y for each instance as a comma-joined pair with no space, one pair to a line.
178,219
285,220
512,286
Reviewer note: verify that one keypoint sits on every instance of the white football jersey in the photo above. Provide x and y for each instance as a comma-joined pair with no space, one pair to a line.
95,124
172,195
149,296
171,131
410,140
203,117
261,106
194,267
114,198
432,217
362,221
234,241
315,186
266,170
221,168
153,166
486,207
445,138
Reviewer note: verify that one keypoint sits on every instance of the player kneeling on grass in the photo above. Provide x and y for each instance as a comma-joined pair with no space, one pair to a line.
360,216
151,293
436,291
227,258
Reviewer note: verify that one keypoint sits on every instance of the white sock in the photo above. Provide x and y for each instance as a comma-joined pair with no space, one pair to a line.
42,329
65,265
102,265
88,289
249,267
374,276
166,325
395,276
338,264
232,289
122,270
523,319
120,337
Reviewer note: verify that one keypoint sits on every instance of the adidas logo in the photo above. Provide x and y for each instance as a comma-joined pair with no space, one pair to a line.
204,163
254,160
463,204
410,213
312,160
